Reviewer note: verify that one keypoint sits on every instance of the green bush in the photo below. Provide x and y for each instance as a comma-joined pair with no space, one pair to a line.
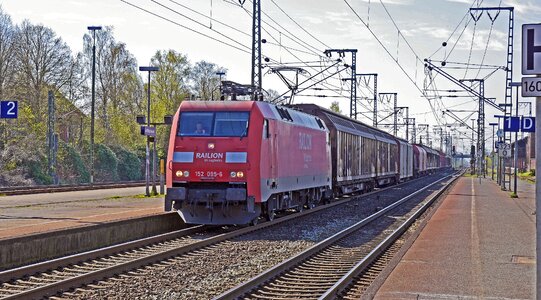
105,164
129,165
70,166
37,171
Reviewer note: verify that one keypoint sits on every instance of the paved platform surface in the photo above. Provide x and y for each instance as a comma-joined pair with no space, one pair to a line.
27,214
480,244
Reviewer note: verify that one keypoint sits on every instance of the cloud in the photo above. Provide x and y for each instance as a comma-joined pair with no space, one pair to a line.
392,2
498,40
430,31
524,6
312,19
460,1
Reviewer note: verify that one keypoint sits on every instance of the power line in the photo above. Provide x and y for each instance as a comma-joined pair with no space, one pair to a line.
186,27
210,18
400,32
389,53
456,28
199,23
315,38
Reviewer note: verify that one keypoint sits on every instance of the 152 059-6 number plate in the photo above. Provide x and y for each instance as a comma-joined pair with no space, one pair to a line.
208,174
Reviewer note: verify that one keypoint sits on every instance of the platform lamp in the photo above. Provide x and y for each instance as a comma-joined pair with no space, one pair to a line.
93,29
147,161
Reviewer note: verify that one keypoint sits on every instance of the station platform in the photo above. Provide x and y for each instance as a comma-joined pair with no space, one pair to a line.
479,244
37,213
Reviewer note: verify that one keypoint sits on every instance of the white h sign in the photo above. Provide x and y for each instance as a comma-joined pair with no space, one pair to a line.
531,49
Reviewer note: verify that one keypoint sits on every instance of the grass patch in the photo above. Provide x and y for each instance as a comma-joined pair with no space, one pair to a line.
144,196
513,195
527,176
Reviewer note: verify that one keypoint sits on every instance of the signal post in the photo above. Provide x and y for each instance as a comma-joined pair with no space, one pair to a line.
531,87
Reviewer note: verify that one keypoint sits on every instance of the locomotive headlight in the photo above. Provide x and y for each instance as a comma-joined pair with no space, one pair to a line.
186,173
233,174
240,174
179,173
211,145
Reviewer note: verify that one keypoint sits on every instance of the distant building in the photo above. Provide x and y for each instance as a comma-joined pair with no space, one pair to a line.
526,154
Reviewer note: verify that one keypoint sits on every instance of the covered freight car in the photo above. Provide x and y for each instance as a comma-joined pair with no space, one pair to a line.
362,157
406,159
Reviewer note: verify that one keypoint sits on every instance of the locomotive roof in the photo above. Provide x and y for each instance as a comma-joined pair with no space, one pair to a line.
268,110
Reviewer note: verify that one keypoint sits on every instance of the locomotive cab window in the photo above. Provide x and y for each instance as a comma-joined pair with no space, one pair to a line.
231,124
195,124
219,124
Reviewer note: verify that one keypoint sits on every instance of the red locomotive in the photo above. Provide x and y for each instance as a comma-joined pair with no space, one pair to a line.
230,162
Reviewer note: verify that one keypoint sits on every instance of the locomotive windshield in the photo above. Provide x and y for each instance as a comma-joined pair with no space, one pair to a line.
220,124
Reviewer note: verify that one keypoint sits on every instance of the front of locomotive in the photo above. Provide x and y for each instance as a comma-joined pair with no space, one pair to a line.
209,179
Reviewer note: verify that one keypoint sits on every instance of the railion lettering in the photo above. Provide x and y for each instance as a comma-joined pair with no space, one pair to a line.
209,155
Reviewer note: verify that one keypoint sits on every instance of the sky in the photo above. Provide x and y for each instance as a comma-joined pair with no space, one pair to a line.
392,37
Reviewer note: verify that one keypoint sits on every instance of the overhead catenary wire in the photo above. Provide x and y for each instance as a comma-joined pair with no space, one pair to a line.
187,28
388,52
296,23
199,23
468,20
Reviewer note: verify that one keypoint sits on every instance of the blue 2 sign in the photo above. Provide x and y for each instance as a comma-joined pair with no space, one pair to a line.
9,109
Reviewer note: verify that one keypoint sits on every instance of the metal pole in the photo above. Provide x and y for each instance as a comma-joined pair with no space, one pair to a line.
92,107
162,171
375,115
493,151
395,121
147,162
515,158
538,193
154,191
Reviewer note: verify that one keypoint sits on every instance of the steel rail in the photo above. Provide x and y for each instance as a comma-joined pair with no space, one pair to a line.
73,282
273,272
20,272
349,277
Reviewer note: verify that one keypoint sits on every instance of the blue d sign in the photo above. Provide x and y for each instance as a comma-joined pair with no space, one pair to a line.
9,109
511,124
528,124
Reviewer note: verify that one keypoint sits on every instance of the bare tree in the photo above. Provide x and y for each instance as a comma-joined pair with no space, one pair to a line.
116,68
205,81
45,62
8,33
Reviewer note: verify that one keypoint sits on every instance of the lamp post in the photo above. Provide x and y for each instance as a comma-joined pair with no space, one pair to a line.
147,162
93,29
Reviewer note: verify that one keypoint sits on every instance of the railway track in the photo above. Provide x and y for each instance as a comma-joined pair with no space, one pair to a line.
11,191
49,278
326,269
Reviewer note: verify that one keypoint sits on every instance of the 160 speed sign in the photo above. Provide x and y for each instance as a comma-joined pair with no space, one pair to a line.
531,87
